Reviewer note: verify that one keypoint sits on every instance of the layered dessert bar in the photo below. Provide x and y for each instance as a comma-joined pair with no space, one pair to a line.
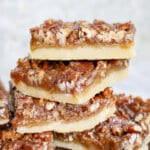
128,129
34,115
73,82
4,111
11,140
81,40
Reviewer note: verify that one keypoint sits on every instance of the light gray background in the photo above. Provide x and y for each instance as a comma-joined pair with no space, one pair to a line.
17,16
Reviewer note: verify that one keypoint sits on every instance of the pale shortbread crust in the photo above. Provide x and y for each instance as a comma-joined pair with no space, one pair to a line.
98,85
66,127
70,145
83,53
3,103
3,121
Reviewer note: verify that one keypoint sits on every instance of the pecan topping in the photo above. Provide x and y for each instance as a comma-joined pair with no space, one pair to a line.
63,76
58,33
4,113
31,110
15,141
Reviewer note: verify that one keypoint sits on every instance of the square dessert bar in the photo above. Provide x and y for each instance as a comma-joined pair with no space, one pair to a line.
73,82
82,40
128,129
34,115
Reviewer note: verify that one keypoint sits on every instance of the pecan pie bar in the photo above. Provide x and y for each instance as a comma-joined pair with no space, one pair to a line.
10,140
128,129
34,115
81,40
4,113
72,82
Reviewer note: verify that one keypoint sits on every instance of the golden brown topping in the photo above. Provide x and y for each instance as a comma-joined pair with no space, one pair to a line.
4,113
57,32
3,92
132,108
15,141
31,110
64,76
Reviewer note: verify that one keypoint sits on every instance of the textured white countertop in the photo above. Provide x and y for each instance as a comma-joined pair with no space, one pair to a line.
16,17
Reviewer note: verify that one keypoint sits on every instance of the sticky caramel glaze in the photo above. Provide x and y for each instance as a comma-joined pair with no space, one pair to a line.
4,113
63,76
128,127
30,110
58,34
3,92
10,140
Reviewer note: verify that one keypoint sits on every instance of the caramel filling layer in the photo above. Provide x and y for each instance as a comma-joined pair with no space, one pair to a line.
56,33
63,76
31,110
15,141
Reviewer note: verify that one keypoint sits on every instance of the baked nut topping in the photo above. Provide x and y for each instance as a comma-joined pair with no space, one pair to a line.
56,33
63,76
4,112
31,110
10,140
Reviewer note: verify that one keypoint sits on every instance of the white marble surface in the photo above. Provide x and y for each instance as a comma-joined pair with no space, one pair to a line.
17,16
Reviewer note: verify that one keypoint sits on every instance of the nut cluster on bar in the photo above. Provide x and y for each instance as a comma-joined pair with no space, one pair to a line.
56,33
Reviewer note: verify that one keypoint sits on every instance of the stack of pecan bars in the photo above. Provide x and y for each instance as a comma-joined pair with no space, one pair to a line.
62,86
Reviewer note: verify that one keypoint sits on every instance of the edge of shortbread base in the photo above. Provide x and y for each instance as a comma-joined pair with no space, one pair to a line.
76,126
69,145
145,143
89,92
3,121
84,53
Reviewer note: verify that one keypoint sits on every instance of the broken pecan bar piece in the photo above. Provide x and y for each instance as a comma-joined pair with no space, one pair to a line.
81,40
4,112
34,115
72,82
11,140
128,129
